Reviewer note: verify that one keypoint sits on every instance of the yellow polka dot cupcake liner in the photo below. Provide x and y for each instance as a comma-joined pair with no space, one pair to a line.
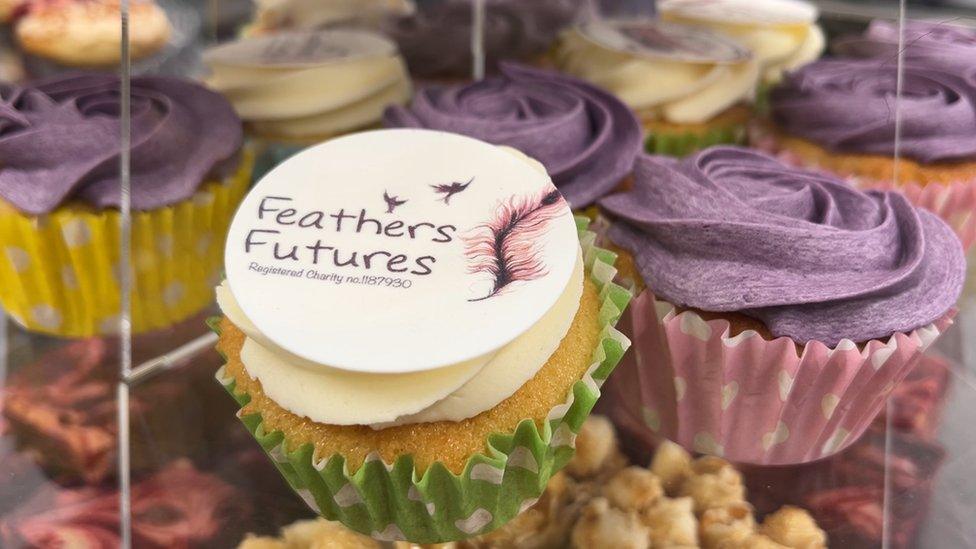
60,272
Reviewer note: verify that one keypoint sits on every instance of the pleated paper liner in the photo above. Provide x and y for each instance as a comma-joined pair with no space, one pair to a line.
953,201
748,399
680,144
391,501
59,272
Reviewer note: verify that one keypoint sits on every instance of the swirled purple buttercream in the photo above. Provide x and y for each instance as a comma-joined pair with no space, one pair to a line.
730,229
60,140
586,138
939,45
849,106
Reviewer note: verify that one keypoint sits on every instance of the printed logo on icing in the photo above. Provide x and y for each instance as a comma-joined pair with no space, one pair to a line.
758,12
400,250
666,41
297,49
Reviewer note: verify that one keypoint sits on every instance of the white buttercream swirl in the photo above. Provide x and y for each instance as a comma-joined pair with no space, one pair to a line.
453,393
779,42
677,90
355,77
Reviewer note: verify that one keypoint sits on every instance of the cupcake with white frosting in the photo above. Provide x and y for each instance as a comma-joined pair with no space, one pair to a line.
783,35
441,417
296,89
690,88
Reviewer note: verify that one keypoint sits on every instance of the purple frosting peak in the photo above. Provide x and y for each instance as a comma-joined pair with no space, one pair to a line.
935,45
849,106
730,229
586,138
60,141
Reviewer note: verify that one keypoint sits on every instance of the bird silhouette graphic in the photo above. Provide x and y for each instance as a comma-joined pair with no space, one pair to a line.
392,202
449,190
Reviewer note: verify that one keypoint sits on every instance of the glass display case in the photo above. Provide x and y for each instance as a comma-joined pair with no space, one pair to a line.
775,203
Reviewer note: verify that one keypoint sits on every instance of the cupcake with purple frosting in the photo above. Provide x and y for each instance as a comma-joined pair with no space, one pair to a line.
436,40
586,138
839,116
930,44
60,194
778,298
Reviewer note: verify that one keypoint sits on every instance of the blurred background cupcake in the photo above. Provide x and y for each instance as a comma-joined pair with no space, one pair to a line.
689,87
436,40
776,297
782,34
931,44
586,138
59,217
58,35
298,88
838,115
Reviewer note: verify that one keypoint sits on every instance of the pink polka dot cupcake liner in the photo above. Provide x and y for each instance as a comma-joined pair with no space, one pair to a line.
748,399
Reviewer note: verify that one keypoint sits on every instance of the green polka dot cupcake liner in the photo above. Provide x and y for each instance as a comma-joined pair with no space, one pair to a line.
391,501
60,272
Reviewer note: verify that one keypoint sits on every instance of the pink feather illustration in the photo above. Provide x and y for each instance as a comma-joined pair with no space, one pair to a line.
507,248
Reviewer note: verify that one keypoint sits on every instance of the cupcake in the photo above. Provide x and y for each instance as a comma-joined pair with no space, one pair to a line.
782,35
443,416
838,115
299,88
586,138
936,45
778,298
437,40
87,33
690,88
60,194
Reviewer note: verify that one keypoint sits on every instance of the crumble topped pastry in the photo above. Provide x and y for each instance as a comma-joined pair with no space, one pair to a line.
600,500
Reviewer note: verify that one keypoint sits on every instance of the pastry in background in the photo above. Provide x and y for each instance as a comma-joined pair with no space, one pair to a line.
296,89
282,15
933,44
470,417
689,87
782,35
8,8
601,502
437,40
61,196
178,506
768,308
61,408
87,33
838,115
585,137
